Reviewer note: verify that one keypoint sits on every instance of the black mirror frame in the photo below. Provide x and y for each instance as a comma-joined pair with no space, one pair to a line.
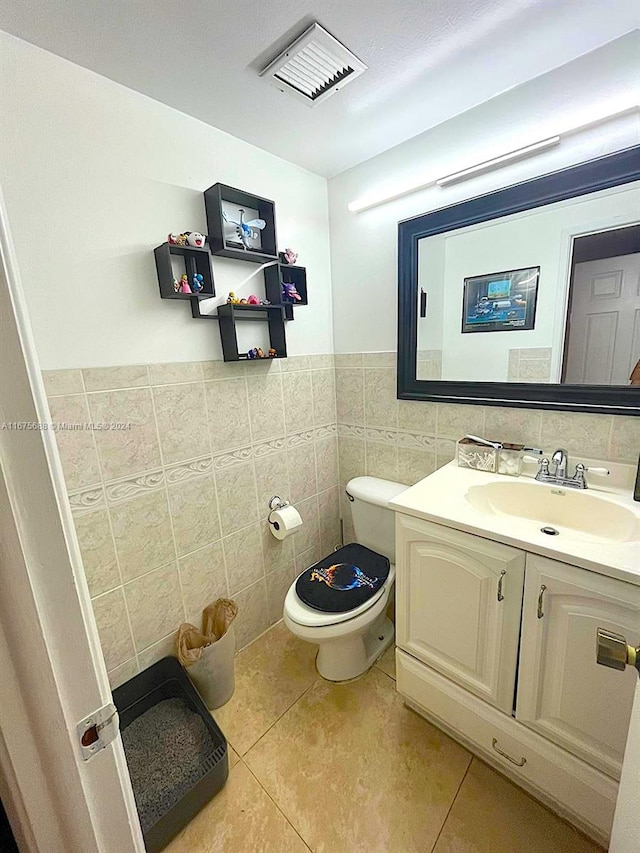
610,171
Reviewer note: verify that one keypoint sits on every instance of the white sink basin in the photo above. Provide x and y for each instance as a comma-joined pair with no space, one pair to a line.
579,514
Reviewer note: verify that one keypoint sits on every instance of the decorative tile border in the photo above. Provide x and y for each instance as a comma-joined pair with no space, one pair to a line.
231,458
299,438
350,431
189,470
382,436
326,431
268,448
121,490
416,440
86,500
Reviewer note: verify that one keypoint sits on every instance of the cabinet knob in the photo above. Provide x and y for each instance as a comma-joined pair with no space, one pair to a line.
613,650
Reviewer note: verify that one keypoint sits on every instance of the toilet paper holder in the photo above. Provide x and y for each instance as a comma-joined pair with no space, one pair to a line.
275,503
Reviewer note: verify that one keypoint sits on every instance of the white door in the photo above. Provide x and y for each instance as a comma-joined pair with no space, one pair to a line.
458,601
604,323
562,692
52,673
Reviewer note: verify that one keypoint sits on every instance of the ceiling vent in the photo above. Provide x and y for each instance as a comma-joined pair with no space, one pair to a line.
315,66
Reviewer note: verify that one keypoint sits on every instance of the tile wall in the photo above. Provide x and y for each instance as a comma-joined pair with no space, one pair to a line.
171,512
406,440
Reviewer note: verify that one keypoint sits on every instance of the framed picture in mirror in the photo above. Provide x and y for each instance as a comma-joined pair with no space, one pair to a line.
500,301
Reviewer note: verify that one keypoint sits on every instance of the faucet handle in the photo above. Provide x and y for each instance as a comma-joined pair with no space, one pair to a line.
600,472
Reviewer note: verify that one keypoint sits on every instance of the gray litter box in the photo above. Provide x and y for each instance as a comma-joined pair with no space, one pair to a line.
177,755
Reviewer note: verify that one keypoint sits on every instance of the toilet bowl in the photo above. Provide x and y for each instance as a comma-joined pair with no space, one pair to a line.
350,642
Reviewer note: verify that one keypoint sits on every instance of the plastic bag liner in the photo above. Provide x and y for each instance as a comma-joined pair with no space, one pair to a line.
208,654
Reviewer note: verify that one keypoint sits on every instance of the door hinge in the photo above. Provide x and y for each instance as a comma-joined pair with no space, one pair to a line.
98,730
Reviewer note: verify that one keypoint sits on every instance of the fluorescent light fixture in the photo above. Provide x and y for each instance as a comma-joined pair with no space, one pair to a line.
497,162
487,165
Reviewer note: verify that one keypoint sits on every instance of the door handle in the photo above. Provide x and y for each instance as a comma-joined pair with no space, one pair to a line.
613,650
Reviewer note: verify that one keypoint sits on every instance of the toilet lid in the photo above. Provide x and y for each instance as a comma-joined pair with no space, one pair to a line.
344,580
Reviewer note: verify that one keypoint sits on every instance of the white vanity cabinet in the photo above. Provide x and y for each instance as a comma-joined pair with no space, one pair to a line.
562,692
459,600
498,647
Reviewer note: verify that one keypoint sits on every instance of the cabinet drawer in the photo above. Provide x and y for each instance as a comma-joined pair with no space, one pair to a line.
566,784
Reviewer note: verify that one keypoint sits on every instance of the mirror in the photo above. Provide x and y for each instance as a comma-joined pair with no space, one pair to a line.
527,296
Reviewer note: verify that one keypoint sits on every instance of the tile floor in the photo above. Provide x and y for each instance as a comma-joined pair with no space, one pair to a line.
347,768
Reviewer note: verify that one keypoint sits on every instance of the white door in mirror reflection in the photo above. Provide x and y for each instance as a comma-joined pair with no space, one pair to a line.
603,343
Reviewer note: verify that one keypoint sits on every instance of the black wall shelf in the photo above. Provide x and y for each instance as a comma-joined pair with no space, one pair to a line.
273,278
228,315
222,242
196,261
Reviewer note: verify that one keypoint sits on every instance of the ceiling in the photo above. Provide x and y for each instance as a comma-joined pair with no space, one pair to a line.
428,60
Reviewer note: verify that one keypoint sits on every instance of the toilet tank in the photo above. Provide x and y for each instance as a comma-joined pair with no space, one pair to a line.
373,521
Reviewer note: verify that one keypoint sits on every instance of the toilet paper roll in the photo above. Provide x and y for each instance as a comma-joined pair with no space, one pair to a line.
285,521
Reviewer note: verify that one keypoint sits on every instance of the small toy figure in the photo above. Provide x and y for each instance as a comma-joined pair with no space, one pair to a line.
288,256
184,284
243,302
181,240
232,299
246,231
272,353
289,292
260,353
195,239
253,300
176,286
172,239
264,302
197,283
253,353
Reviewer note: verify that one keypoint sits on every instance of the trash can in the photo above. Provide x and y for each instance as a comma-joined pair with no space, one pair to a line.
214,673
208,655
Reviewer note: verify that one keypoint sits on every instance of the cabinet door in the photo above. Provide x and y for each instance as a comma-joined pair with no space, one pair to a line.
459,599
562,692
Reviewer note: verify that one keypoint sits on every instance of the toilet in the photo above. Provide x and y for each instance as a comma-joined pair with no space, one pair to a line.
351,641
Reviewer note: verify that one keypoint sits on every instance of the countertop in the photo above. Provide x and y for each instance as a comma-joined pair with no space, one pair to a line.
441,498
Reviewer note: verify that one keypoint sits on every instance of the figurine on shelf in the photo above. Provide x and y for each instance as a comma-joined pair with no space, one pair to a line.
184,284
172,239
176,285
253,353
246,231
288,256
289,292
197,284
264,302
272,353
260,353
195,239
253,300
243,302
232,299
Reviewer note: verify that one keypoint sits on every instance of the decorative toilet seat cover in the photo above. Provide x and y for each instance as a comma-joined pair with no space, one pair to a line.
344,580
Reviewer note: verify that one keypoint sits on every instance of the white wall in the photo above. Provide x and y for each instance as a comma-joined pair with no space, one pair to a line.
94,176
363,246
525,240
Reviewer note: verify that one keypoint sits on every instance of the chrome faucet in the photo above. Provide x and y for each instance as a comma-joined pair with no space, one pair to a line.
560,476
561,459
